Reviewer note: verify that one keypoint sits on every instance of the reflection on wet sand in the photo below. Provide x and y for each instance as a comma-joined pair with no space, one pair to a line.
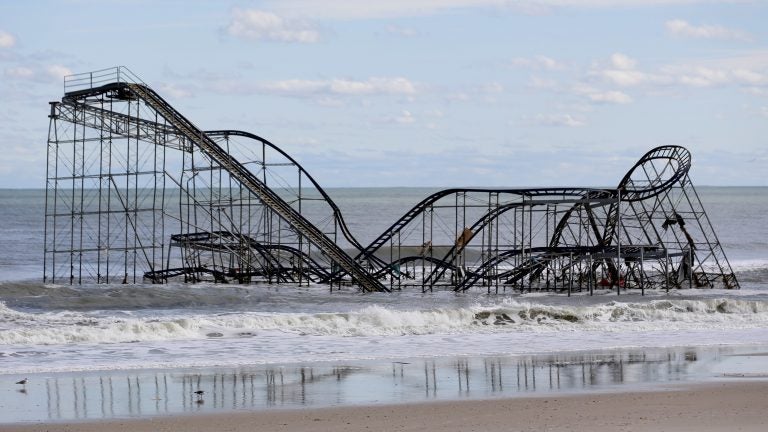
132,394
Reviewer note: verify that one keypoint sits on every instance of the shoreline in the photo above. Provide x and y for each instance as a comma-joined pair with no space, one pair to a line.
108,397
729,405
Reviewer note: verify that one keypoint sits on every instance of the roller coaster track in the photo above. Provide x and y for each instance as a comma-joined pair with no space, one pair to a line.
446,262
235,223
239,172
527,267
674,158
456,249
419,208
657,183
149,128
392,267
225,241
337,214
217,241
409,216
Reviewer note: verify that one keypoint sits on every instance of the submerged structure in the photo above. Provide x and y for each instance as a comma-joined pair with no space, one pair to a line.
136,193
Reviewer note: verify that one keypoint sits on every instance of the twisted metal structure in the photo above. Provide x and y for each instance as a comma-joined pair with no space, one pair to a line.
137,193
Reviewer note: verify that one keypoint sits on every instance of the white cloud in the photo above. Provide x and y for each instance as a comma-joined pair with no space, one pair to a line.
405,118
607,81
628,78
20,73
371,86
749,60
344,9
260,25
537,63
682,28
542,83
623,73
484,93
690,76
758,91
704,77
708,76
622,61
330,102
7,40
402,31
458,97
749,77
557,120
615,97
57,71
492,88
764,111
599,96
295,86
348,10
175,91
38,73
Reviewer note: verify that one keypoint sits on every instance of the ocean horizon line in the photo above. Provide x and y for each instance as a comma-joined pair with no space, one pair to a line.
26,188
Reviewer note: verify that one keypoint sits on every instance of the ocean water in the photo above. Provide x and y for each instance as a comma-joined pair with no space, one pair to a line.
47,328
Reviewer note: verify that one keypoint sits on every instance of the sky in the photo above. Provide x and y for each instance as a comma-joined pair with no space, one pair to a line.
437,93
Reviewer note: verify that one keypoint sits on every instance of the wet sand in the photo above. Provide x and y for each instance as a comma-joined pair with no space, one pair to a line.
728,405
677,389
104,395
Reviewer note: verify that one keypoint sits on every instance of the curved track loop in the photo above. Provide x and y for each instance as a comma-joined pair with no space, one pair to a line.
655,172
670,161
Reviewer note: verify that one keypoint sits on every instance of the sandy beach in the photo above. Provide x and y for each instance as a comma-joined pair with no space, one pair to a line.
735,406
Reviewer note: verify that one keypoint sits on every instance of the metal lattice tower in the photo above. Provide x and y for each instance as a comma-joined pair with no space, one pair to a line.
136,192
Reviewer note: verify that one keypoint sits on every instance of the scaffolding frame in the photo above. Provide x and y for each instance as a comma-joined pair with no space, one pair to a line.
137,193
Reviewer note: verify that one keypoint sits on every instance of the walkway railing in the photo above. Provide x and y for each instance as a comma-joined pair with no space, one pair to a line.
89,80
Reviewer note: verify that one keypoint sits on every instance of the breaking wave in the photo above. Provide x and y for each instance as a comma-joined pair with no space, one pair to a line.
68,327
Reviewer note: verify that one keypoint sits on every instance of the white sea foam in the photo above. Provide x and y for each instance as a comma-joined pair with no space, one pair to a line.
21,328
749,264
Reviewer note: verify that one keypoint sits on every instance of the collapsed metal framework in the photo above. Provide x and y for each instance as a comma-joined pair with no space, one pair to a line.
136,192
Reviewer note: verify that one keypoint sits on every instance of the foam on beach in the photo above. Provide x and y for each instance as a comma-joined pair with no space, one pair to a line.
70,327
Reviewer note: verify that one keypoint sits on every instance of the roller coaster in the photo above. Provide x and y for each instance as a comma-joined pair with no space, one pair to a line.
136,193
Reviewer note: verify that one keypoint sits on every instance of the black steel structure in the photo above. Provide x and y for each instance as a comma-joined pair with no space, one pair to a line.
137,193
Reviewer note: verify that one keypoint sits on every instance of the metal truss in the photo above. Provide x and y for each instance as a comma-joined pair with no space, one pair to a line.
137,193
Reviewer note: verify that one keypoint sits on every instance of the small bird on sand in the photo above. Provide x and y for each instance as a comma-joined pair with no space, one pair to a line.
22,382
199,394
